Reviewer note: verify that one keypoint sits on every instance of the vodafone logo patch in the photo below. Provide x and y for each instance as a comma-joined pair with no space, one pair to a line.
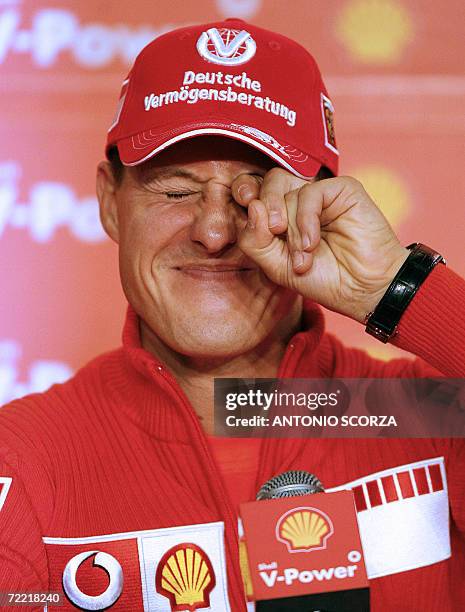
93,602
226,47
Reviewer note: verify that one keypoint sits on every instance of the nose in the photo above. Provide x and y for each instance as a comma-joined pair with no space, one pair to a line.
218,221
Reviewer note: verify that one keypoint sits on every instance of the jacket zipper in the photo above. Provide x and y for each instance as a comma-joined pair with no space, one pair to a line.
214,473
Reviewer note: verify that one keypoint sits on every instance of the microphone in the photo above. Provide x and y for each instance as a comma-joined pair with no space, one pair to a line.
290,484
296,483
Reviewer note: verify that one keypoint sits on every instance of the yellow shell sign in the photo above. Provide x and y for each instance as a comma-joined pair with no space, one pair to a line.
304,529
185,576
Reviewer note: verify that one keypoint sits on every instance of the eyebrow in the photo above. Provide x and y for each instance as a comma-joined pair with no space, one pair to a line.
177,172
163,173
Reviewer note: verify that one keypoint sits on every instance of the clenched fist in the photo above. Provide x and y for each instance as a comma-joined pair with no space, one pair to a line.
326,240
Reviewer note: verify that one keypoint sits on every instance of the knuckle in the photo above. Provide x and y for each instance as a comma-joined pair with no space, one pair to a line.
276,171
305,202
255,179
290,200
307,187
289,196
302,214
275,202
351,180
303,196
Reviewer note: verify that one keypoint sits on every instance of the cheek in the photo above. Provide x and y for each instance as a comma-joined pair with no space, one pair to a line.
149,233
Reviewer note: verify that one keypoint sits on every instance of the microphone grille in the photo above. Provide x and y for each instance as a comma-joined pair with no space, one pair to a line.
290,484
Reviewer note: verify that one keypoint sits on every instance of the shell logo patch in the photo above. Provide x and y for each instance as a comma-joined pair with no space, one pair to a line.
185,576
304,529
226,47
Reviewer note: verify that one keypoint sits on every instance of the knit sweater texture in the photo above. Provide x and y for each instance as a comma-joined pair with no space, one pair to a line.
118,449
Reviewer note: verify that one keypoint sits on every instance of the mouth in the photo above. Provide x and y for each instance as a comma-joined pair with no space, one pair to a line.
215,272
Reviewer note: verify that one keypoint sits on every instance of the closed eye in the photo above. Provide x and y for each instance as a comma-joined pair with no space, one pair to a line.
177,195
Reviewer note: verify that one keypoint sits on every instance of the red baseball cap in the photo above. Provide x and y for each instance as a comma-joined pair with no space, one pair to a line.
227,78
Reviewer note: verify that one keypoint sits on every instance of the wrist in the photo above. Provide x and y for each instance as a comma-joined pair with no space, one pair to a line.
372,298
383,320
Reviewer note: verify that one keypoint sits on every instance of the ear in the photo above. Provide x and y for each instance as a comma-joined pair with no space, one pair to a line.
106,194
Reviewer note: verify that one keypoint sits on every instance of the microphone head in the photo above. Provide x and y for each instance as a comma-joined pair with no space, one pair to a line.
290,484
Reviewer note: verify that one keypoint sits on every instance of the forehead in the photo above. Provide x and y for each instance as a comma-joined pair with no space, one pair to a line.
206,154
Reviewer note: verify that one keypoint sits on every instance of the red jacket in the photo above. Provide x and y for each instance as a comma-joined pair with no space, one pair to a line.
115,461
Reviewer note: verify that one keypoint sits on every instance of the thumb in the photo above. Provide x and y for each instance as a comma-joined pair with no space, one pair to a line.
245,188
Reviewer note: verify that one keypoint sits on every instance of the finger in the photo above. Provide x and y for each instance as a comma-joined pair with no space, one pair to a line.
246,187
293,237
308,214
301,260
268,251
276,183
256,235
337,196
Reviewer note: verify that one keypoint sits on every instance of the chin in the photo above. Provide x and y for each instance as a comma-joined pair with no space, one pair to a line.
209,338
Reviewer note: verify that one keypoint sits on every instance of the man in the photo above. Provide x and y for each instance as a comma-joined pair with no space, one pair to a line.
230,237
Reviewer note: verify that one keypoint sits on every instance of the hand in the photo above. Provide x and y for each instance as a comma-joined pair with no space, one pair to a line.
326,240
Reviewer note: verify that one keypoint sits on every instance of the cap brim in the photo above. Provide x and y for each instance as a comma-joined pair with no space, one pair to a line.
137,149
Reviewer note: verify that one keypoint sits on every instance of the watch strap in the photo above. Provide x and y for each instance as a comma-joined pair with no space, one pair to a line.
383,321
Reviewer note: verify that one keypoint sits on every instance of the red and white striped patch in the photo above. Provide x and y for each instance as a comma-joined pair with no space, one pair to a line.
401,484
395,509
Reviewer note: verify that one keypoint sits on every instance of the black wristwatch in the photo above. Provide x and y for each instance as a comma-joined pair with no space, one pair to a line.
383,321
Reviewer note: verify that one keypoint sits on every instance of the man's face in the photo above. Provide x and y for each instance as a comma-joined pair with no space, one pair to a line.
177,225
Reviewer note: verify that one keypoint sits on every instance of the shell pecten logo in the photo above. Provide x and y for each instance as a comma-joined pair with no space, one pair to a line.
185,576
304,529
